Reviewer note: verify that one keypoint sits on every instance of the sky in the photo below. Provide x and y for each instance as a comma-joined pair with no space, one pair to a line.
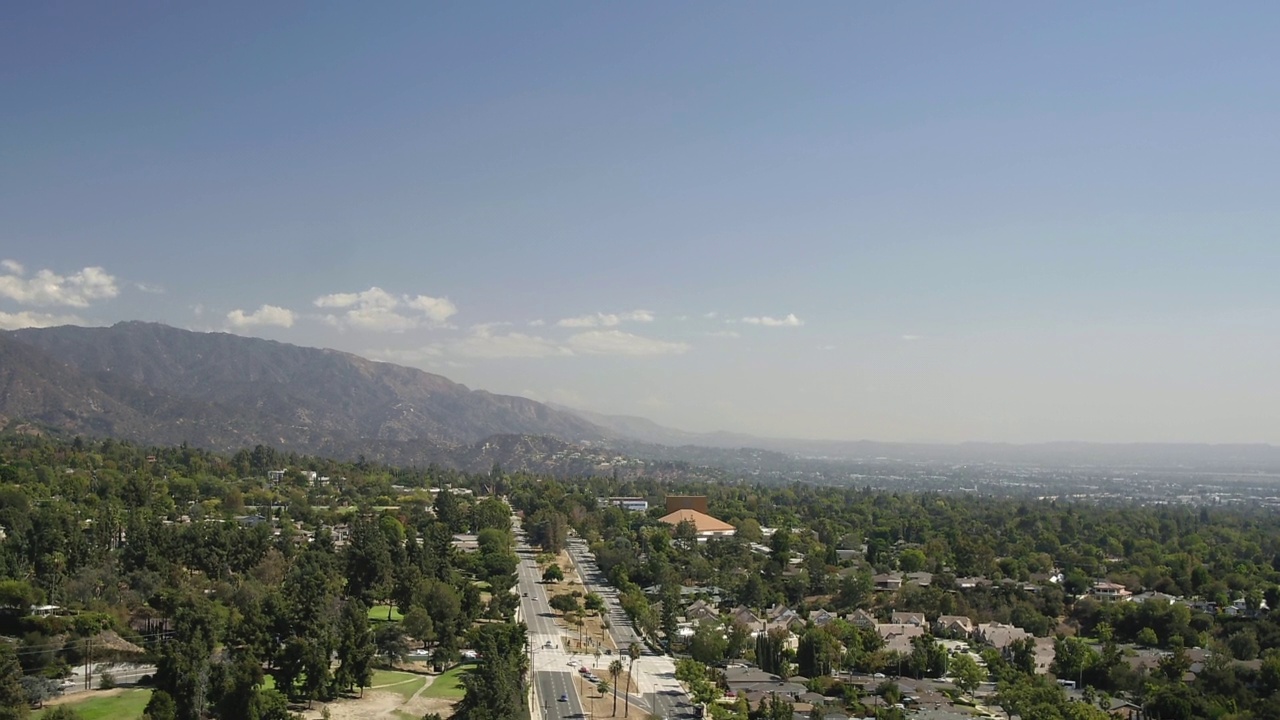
917,221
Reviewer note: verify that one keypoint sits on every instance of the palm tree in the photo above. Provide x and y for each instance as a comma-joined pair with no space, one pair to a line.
633,652
615,669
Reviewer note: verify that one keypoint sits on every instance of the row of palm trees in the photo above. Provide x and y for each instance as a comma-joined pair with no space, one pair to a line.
615,669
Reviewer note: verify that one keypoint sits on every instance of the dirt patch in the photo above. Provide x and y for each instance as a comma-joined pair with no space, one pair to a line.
382,705
597,706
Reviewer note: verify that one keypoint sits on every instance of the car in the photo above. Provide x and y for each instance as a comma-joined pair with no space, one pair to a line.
878,676
583,671
572,663
524,594
564,697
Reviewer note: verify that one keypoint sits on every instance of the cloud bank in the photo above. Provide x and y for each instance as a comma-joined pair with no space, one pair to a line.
270,315
47,288
789,321
377,309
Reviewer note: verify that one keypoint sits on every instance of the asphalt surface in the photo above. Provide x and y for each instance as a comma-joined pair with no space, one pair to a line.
552,678
669,699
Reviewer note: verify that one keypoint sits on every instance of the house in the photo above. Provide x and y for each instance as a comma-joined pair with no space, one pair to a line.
923,579
907,618
862,618
743,616
888,581
704,525
750,681
276,476
970,583
701,611
953,626
1109,591
1153,596
822,617
999,635
897,636
781,616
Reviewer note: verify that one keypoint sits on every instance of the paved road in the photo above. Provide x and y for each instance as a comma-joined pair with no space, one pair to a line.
552,677
665,695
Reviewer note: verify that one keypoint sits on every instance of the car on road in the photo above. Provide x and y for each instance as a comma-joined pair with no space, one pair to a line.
572,663
564,697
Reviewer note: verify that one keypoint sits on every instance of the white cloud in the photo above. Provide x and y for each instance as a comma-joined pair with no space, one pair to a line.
46,287
616,342
789,321
149,288
909,338
537,323
265,315
26,319
725,334
198,309
377,309
606,320
711,315
508,345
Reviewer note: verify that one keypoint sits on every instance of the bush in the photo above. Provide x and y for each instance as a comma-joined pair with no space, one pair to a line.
106,681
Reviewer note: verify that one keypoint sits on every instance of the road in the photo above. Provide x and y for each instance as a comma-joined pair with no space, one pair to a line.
553,678
656,673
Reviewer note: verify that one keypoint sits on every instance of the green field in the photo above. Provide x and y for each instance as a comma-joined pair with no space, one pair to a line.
400,683
379,612
125,706
448,685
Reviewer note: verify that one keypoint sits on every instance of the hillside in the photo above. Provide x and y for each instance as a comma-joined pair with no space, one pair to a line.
155,383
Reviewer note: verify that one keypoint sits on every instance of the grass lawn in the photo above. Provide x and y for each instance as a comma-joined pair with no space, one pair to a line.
448,685
400,683
128,705
379,612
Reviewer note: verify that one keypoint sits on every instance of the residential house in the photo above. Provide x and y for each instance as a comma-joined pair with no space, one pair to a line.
907,618
749,681
701,611
897,636
953,626
743,615
888,581
923,579
999,635
822,617
970,583
1109,591
862,618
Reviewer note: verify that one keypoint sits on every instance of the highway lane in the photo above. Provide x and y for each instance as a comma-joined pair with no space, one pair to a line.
552,685
552,677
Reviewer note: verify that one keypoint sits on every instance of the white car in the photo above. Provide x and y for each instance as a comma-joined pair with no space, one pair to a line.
573,663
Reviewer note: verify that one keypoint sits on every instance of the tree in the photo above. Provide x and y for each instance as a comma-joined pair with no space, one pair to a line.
367,561
17,595
161,706
356,648
967,672
565,603
615,671
60,712
633,652
417,623
708,644
389,640
548,528
13,701
38,689
771,651
553,573
593,603
1147,637
603,687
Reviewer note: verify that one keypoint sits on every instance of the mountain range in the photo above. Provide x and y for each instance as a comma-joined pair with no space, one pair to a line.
152,383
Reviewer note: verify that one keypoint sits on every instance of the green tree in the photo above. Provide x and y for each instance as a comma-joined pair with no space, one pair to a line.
417,623
1147,637
553,573
13,701
161,706
615,671
967,672
356,648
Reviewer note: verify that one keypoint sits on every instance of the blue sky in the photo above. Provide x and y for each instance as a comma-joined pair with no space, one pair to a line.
928,221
